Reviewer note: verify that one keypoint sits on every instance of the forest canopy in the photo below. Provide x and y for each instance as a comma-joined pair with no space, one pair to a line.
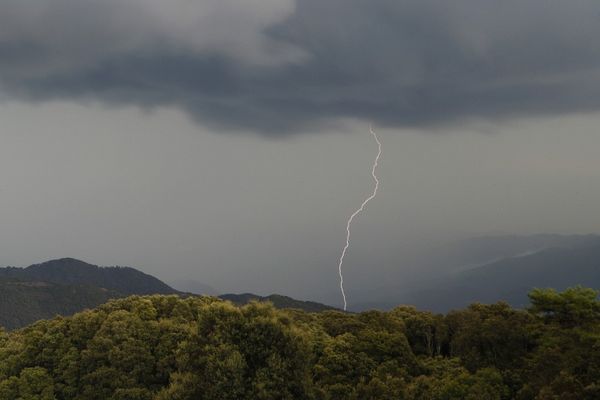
166,347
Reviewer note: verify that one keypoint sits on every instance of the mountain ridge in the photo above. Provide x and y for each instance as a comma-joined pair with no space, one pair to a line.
508,279
67,271
65,286
279,301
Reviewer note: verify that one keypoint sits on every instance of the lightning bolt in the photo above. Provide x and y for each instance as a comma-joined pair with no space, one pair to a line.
358,211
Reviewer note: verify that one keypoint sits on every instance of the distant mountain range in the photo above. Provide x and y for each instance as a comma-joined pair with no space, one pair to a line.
193,286
278,301
69,271
503,268
486,269
66,286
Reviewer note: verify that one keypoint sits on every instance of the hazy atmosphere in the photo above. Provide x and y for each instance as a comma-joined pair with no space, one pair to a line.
227,142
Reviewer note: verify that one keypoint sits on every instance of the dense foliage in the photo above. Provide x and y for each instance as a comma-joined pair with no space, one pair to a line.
165,347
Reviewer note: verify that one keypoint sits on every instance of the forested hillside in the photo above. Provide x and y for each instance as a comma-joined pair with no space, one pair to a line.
166,347
69,271
24,302
66,286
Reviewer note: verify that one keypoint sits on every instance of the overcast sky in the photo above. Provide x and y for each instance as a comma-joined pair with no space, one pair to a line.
227,141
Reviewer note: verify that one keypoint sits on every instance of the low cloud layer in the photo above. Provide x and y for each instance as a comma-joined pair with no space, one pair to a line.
277,66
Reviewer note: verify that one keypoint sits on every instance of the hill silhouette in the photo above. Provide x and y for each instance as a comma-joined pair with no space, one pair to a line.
506,279
278,301
69,271
67,285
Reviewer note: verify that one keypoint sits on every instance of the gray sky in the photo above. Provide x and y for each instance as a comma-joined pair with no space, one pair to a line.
227,141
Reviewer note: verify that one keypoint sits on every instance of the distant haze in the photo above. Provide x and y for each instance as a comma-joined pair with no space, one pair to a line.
232,157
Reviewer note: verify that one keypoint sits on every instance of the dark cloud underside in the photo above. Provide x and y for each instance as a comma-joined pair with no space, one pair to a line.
396,63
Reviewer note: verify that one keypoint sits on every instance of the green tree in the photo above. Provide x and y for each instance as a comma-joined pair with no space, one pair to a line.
574,307
490,336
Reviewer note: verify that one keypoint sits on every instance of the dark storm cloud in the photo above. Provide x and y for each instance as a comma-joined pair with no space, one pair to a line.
270,67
